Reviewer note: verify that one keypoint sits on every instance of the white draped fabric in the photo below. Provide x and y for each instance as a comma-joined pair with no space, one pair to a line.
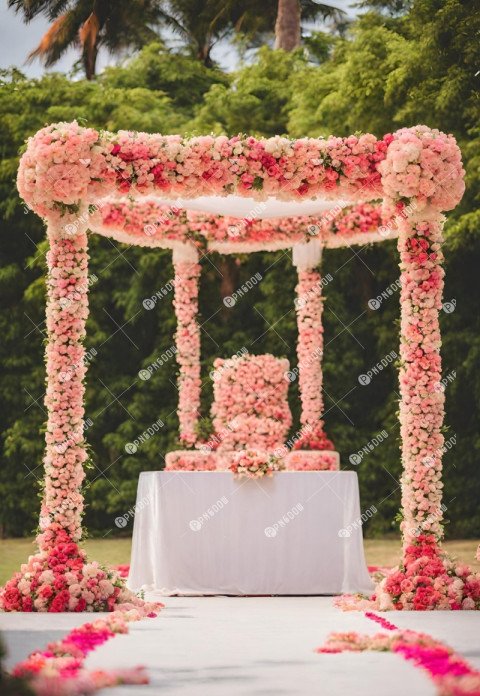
297,533
241,207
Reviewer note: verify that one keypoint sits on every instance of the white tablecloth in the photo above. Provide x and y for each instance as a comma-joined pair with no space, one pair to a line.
297,533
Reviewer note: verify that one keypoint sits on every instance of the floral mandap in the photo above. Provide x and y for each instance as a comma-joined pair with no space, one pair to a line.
241,195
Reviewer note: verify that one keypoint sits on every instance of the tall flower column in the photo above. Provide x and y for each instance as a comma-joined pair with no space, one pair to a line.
309,308
66,314
187,338
59,577
422,397
423,170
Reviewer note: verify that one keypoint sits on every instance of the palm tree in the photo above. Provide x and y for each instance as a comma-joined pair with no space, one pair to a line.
287,25
88,25
290,14
202,23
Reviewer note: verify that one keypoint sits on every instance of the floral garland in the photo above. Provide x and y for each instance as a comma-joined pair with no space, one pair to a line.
187,339
452,675
309,307
149,223
250,407
65,164
59,669
355,220
254,464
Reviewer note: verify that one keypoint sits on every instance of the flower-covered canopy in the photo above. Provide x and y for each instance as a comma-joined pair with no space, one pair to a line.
76,178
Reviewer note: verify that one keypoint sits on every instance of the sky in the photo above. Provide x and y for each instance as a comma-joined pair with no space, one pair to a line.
17,39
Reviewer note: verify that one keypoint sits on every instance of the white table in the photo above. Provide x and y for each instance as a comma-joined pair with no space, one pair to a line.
297,533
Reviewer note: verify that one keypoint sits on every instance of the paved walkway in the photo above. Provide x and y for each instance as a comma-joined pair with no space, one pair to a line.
241,646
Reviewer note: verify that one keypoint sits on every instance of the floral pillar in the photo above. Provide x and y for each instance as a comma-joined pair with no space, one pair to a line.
309,308
421,393
423,170
423,173
187,338
59,577
66,314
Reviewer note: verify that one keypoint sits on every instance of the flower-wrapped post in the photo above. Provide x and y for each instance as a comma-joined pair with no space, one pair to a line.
65,453
187,339
309,308
422,397
59,577
423,167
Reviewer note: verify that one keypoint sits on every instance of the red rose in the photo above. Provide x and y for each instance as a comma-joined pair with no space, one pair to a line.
60,602
27,604
11,598
81,605
46,592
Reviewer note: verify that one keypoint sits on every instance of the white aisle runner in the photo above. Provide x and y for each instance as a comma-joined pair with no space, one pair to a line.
257,646
297,533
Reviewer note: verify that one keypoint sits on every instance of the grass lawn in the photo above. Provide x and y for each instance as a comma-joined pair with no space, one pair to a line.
379,552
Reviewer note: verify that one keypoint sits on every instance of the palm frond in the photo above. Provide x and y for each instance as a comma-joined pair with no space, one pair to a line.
61,33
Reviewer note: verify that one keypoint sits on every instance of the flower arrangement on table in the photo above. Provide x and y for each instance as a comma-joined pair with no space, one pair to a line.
250,407
254,464
312,461
190,460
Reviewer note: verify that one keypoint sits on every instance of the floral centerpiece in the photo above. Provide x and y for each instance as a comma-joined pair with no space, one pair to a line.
250,406
254,464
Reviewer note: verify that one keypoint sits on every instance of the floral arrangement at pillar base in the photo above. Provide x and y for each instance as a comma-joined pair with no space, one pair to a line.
60,578
254,464
311,460
427,579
